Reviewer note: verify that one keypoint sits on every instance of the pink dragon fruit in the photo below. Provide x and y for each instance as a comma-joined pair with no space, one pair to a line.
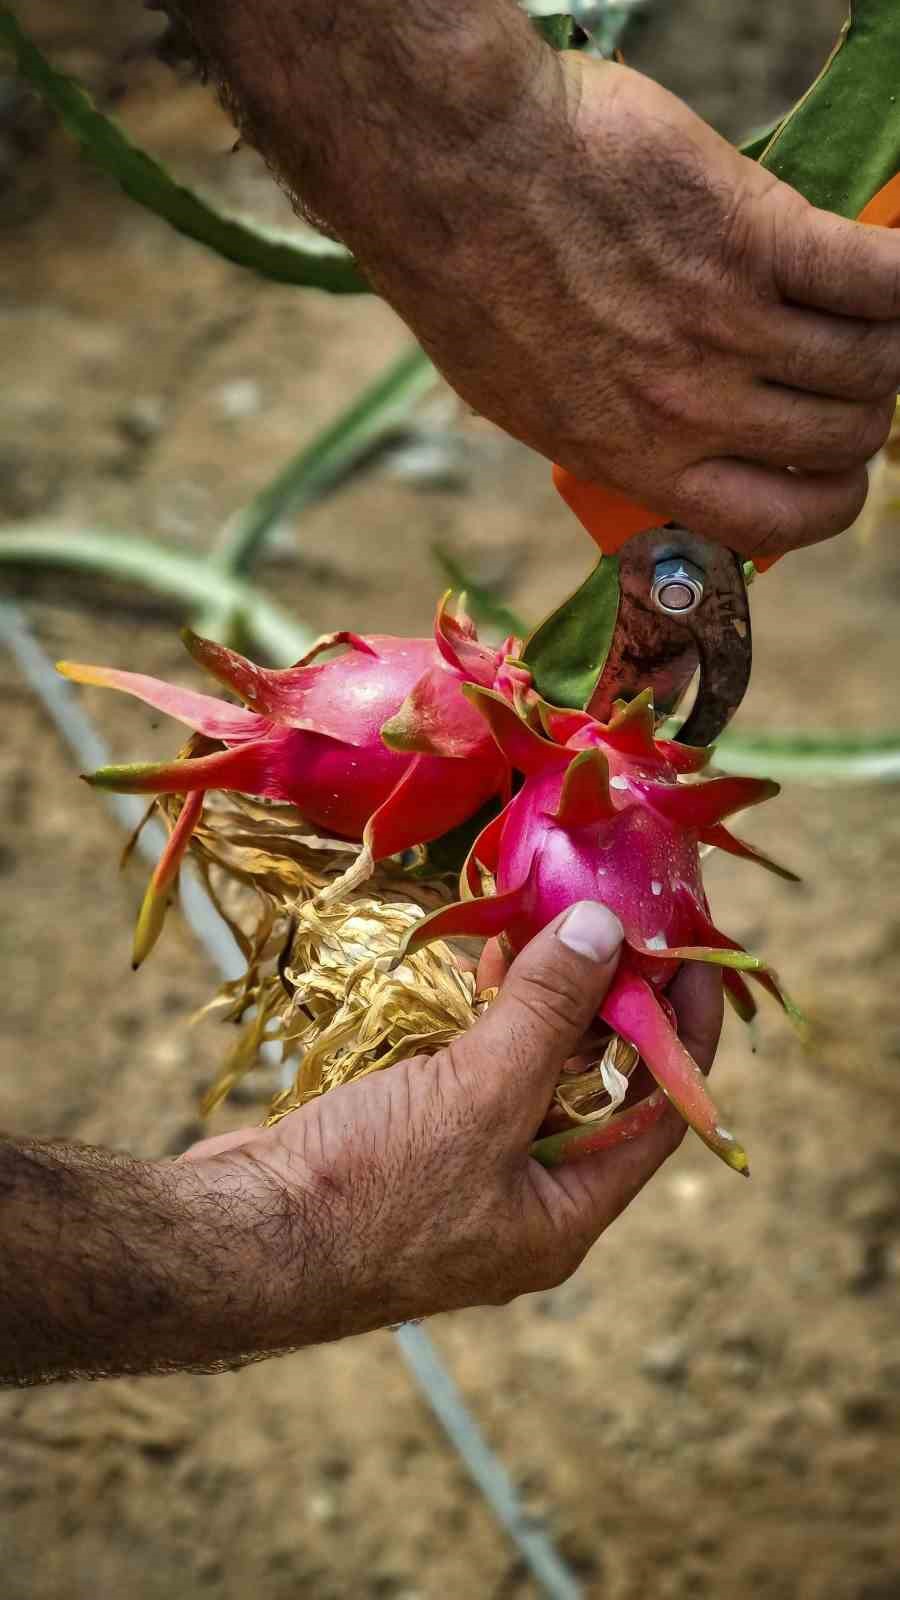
609,812
360,743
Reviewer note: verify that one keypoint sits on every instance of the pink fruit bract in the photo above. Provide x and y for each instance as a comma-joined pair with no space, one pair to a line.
609,812
362,743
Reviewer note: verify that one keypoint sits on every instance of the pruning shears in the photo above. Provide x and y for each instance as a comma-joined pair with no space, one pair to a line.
682,606
683,599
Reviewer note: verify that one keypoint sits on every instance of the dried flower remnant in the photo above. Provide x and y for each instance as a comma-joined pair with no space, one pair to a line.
320,982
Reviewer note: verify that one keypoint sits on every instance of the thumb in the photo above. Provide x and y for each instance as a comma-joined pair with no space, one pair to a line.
549,998
834,264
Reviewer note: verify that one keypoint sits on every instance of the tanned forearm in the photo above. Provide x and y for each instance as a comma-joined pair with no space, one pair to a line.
407,1192
378,115
110,1265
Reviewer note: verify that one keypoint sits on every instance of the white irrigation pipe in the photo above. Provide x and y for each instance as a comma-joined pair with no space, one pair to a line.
432,1377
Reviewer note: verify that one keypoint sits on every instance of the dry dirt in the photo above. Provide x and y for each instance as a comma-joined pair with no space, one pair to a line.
712,1405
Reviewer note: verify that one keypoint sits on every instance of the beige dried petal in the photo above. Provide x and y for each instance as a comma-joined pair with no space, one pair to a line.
319,980
594,1095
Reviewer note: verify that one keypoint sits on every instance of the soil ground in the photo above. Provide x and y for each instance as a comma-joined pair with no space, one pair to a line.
712,1405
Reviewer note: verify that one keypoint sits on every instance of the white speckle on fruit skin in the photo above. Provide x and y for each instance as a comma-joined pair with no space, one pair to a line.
656,887
724,1134
658,942
601,872
618,783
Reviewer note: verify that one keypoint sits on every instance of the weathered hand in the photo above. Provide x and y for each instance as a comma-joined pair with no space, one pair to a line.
589,264
635,299
412,1191
404,1193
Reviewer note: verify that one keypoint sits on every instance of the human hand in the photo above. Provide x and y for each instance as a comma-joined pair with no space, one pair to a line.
412,1191
635,299
589,264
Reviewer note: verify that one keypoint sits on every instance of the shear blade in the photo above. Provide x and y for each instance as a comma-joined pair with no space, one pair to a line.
653,649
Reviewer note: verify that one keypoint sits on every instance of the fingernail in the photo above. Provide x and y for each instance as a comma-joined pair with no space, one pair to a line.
591,930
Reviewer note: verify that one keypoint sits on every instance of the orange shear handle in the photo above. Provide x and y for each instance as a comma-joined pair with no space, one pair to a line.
611,518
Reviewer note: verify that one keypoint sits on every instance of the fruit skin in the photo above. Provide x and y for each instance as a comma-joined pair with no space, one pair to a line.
609,812
376,744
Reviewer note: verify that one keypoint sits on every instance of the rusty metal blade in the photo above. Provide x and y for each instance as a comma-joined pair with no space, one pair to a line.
651,649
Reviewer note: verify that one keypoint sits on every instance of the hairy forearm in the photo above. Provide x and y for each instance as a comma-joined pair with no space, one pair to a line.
384,118
110,1265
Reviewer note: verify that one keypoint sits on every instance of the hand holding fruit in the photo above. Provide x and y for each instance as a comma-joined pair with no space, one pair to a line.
412,1191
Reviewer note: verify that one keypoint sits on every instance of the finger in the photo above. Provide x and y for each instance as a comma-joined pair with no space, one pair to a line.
825,261
491,973
838,356
599,1188
515,1053
787,428
759,510
493,966
699,1001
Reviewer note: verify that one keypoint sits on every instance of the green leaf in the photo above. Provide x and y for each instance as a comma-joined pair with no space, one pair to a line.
559,30
484,606
190,580
753,146
567,651
813,758
317,265
327,459
841,142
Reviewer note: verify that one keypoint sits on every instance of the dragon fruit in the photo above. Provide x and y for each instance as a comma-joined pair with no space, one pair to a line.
610,812
360,743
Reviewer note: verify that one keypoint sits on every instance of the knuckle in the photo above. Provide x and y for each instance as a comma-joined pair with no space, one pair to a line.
794,249
873,366
883,417
797,523
669,400
884,266
843,510
512,1280
865,434
550,1269
856,360
543,1245
521,1272
892,290
773,535
552,1275
750,229
852,362
832,443
567,1257
782,526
